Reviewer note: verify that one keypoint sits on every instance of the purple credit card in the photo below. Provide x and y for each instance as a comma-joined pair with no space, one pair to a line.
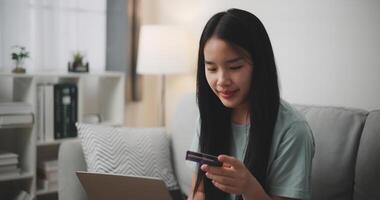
203,158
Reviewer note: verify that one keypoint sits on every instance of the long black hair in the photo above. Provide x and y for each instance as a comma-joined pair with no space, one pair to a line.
242,29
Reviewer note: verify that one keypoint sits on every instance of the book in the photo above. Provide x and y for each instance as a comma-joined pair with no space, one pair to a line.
58,115
45,185
16,119
8,161
9,169
40,117
6,155
50,176
57,111
65,110
49,112
73,132
47,173
48,165
22,195
15,108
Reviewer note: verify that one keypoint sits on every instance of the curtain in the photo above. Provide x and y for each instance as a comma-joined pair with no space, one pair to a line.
52,30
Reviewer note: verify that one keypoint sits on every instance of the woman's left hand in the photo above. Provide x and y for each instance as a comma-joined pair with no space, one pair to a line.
232,177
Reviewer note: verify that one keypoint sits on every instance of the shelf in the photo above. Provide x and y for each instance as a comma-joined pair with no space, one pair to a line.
46,192
16,126
99,93
62,74
55,142
23,175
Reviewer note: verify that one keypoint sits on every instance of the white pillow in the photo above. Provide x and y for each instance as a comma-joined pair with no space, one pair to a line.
129,151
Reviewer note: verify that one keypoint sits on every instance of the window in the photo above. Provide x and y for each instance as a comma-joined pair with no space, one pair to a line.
52,30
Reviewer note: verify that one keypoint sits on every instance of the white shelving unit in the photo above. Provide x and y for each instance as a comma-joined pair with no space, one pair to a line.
100,93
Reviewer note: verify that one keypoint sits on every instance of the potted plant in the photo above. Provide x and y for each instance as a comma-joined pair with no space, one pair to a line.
19,55
78,64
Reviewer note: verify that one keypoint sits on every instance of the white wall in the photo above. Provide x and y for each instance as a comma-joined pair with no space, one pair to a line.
327,52
52,31
14,29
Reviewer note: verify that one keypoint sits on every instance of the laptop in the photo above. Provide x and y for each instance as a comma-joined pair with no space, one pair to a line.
100,186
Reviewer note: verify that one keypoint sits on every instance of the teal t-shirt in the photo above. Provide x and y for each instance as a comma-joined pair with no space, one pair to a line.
290,159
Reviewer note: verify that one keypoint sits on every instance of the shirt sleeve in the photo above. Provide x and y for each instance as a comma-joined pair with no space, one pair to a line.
290,172
195,145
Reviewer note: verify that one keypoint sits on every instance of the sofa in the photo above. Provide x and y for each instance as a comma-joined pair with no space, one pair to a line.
346,164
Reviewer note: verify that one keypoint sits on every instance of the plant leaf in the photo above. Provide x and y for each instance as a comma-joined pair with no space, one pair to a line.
14,56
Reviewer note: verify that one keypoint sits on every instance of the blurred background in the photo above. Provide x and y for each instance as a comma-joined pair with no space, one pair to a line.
327,52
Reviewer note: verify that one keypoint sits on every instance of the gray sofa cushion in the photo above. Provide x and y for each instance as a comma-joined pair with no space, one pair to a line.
70,160
367,174
337,132
128,151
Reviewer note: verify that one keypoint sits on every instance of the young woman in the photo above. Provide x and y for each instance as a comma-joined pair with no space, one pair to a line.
266,146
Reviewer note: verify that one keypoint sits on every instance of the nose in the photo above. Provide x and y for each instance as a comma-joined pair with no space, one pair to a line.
224,79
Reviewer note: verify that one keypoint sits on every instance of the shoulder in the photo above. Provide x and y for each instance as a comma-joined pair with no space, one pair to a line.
287,114
291,124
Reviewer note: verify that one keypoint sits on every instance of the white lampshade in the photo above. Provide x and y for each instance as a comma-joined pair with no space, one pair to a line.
164,50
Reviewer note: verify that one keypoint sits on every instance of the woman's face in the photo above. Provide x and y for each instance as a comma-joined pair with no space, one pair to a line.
228,73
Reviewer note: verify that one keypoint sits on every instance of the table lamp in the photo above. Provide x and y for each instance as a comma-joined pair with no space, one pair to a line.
164,50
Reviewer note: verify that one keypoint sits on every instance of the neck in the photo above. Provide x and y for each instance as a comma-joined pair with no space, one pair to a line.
240,115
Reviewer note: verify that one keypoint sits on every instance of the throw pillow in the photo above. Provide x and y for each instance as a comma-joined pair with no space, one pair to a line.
129,151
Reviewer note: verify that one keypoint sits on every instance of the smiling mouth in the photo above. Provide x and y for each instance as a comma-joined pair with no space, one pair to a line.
227,94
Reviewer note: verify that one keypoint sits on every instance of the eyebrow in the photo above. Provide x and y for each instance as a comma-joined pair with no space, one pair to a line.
233,60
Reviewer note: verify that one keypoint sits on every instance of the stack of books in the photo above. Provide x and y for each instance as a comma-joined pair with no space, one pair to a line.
15,114
22,195
9,164
47,174
57,111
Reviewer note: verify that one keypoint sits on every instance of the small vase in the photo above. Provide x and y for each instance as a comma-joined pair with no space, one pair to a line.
19,70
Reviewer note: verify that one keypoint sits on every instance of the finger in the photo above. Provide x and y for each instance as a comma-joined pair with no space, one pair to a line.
227,165
231,161
204,167
221,171
221,179
225,188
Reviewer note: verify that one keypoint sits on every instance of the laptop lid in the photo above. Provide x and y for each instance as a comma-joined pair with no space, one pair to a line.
99,186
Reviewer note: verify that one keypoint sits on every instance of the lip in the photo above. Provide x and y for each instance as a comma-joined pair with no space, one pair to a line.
227,94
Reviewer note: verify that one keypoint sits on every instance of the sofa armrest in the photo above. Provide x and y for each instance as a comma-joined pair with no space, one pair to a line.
70,160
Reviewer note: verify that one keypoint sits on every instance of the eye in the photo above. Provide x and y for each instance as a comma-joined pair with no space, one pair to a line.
236,67
211,69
